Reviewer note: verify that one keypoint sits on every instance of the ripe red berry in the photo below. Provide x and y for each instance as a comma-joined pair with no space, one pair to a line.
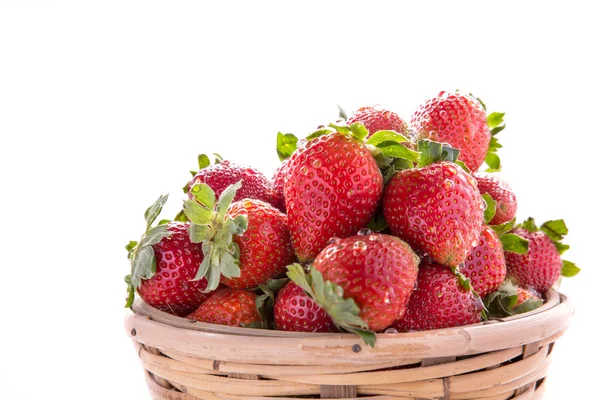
296,311
378,119
485,266
172,288
377,271
228,307
437,209
501,193
456,119
439,301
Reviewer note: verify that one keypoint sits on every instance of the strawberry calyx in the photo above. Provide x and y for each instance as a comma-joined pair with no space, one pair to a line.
465,283
496,124
504,302
556,230
265,302
330,296
287,143
141,254
510,241
211,226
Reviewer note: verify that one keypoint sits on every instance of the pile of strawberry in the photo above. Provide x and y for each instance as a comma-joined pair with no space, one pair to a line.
369,225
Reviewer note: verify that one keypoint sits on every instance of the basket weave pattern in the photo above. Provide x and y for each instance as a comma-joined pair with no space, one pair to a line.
503,359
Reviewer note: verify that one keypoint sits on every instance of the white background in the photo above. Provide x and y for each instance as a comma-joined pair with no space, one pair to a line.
105,106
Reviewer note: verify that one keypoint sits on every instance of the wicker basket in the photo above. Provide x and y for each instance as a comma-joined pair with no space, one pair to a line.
501,359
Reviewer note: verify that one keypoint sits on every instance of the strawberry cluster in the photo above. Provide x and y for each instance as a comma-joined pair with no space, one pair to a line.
371,224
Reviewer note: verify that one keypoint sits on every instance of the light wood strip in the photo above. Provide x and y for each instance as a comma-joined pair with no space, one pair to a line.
409,375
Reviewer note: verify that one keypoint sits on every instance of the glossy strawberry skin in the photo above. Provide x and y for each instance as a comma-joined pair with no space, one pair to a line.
378,271
332,189
278,181
296,311
378,119
540,267
485,265
437,209
523,295
230,307
172,288
439,302
255,184
265,247
456,119
506,200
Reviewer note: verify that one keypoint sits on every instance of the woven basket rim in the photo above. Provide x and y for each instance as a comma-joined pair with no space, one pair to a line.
161,330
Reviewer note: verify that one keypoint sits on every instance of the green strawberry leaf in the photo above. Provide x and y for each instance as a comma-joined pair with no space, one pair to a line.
432,152
514,243
286,145
154,235
180,217
386,136
555,230
494,145
377,223
496,130
505,227
342,113
203,162
319,132
343,311
561,247
143,265
204,195
214,229
463,166
130,247
490,207
528,305
494,119
197,213
501,302
493,161
530,225
130,292
569,269
155,209
396,150
266,301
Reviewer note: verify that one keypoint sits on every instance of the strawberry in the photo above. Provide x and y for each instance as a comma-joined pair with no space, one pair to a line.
501,193
542,265
255,184
296,311
265,247
485,266
378,119
247,242
510,300
437,209
456,119
439,301
332,188
278,181
164,264
228,307
377,271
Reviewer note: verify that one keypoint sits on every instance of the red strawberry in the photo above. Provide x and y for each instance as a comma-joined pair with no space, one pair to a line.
437,209
439,301
377,271
378,119
278,181
164,264
172,288
228,307
541,266
255,184
247,242
458,120
499,191
265,247
296,311
332,188
485,266
523,295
